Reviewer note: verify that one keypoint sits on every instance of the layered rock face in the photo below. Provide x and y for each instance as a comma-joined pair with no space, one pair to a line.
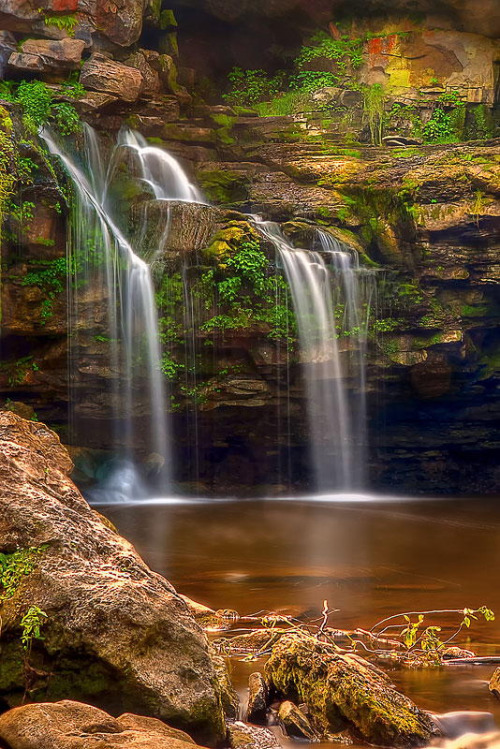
109,630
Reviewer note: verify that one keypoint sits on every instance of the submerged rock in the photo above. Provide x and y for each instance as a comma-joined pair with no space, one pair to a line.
295,722
114,632
73,725
495,683
244,736
258,697
345,692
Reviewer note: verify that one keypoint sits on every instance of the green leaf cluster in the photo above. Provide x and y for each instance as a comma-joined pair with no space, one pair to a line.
39,107
51,278
14,567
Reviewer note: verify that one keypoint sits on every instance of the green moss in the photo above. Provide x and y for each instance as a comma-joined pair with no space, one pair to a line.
477,310
224,125
340,691
167,20
224,186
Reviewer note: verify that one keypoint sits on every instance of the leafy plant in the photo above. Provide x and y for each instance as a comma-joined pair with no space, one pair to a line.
14,567
345,52
38,106
65,23
417,636
447,121
31,626
51,278
248,87
65,118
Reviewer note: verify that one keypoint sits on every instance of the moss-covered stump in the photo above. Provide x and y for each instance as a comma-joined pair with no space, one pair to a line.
82,616
342,691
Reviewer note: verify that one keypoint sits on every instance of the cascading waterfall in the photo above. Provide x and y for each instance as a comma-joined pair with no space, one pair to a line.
354,295
108,271
111,291
321,288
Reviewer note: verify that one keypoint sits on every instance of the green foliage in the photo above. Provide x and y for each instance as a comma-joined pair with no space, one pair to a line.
427,637
31,626
14,567
51,279
286,103
248,87
65,118
7,158
65,23
39,108
385,325
374,100
250,264
170,367
311,80
346,53
283,94
18,370
447,122
36,101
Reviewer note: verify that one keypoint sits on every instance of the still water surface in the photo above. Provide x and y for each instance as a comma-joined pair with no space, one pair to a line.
368,559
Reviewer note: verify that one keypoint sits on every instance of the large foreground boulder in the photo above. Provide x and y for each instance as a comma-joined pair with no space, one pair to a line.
73,725
114,633
343,691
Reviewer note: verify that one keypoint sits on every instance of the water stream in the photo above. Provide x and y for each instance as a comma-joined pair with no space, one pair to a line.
323,284
111,290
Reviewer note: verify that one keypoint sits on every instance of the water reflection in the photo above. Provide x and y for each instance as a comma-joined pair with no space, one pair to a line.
369,559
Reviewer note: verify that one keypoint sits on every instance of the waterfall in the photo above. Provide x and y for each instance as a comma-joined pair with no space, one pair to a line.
331,307
111,292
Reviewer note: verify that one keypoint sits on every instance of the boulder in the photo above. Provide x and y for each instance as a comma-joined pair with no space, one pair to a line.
258,698
114,632
48,55
100,73
120,21
73,725
495,683
342,691
295,722
144,60
244,736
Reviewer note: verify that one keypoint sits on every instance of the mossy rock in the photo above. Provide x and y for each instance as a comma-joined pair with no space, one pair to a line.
226,242
224,187
343,691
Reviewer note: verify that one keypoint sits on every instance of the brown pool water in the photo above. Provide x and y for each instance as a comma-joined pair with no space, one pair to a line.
368,559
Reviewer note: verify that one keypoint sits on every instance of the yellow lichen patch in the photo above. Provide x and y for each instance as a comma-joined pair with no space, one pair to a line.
226,241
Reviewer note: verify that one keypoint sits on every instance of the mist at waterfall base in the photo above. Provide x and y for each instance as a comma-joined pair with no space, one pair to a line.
332,297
